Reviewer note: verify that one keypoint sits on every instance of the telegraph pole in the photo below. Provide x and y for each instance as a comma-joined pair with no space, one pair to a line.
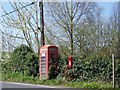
42,23
113,69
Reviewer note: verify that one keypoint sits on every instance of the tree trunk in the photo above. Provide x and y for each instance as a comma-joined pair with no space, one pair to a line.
71,29
36,34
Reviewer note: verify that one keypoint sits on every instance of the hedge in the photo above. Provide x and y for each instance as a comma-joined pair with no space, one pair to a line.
90,69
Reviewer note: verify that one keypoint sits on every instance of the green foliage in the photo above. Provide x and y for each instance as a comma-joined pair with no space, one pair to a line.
53,69
92,68
23,65
117,72
23,60
17,77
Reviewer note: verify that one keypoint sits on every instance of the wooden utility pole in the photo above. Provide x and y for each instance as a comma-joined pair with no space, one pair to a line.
42,23
113,68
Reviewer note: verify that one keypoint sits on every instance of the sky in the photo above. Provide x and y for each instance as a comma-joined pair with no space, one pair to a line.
108,7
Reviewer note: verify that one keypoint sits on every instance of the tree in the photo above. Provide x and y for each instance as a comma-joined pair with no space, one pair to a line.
25,20
67,16
113,29
8,43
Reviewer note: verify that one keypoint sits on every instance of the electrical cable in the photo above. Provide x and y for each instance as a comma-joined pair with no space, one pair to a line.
17,9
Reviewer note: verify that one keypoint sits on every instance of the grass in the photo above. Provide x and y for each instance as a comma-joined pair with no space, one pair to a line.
0,77
17,77
97,85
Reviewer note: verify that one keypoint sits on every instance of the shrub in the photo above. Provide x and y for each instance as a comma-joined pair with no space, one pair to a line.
23,60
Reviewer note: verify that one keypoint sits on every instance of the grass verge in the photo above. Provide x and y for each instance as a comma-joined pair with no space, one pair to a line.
17,77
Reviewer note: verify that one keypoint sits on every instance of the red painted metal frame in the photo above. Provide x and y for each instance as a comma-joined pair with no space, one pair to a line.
46,49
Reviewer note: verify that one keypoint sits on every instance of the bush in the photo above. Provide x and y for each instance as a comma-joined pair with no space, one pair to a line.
56,67
53,69
91,69
23,60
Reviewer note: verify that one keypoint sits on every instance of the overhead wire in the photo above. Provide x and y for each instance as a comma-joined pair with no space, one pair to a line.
18,9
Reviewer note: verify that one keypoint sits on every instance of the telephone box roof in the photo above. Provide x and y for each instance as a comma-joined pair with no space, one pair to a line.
47,46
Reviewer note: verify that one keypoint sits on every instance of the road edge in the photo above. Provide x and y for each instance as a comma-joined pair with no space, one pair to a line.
27,84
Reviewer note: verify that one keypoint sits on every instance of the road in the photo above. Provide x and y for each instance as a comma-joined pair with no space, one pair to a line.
24,85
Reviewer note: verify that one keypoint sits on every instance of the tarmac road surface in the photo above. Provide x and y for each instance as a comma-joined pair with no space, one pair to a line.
11,85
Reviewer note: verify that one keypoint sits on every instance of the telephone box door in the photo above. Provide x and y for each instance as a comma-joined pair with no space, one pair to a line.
43,66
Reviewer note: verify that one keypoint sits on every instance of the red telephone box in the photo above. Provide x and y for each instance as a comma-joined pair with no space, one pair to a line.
47,52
